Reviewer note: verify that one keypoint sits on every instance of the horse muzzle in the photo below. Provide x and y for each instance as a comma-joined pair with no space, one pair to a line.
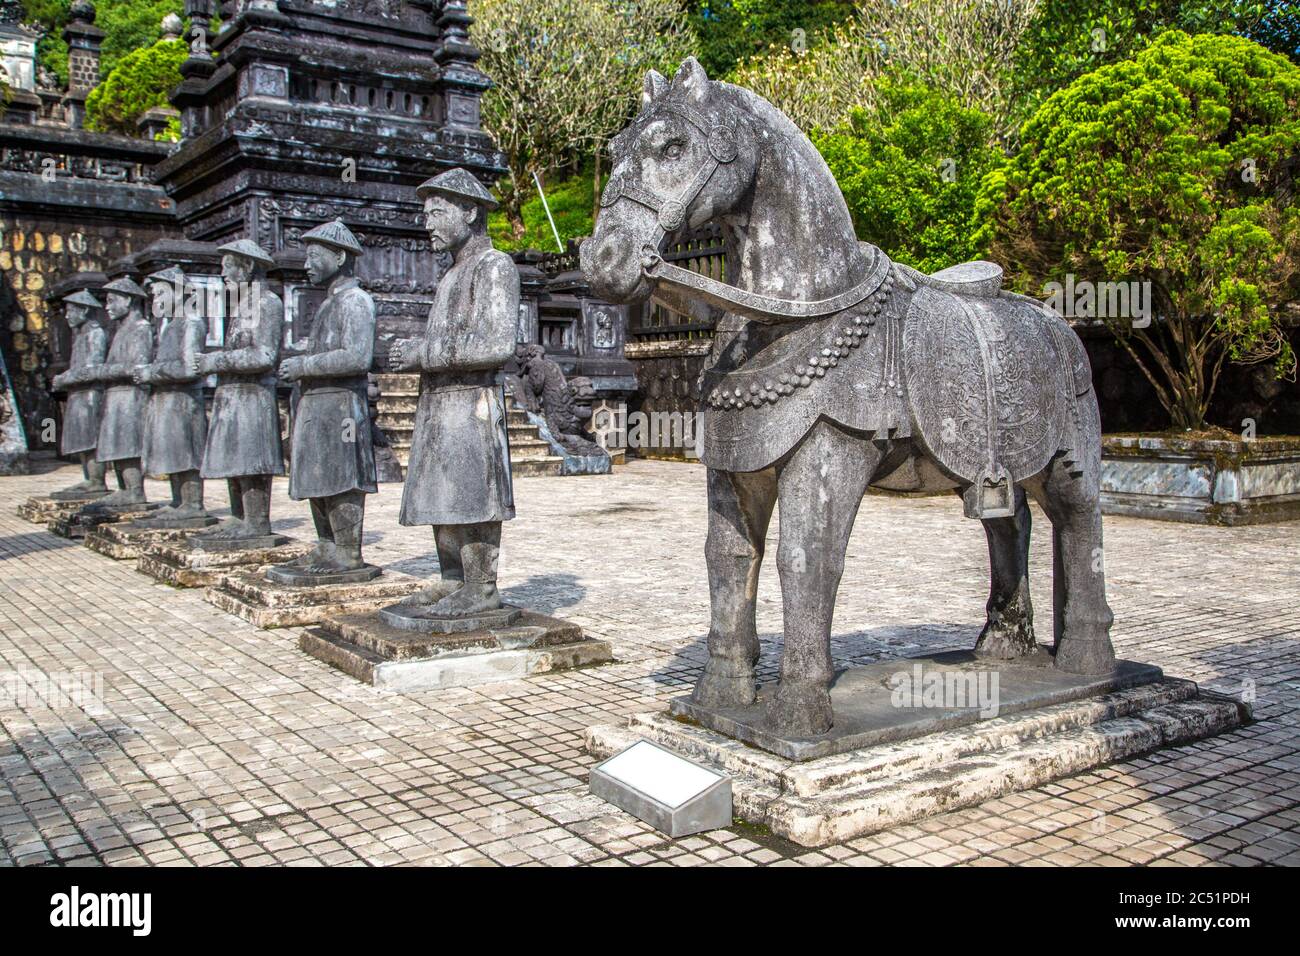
613,265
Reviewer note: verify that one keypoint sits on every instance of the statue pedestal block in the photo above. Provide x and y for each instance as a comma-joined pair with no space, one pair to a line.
123,540
266,603
42,509
928,760
79,523
368,648
193,563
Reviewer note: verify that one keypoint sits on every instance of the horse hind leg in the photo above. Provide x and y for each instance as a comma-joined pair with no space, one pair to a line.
1009,628
740,509
1071,496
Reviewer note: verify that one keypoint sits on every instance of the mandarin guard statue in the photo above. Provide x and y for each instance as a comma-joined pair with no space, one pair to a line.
458,475
85,403
833,368
333,459
243,444
121,428
176,423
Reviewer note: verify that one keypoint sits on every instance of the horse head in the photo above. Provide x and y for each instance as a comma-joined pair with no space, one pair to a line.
688,158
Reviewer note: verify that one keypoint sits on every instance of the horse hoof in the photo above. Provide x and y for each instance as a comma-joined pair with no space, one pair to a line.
718,692
1085,657
800,710
1005,642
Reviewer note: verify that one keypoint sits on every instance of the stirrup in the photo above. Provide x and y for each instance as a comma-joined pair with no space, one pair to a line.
991,496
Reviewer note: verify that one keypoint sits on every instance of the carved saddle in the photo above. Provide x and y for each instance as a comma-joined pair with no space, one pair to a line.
992,380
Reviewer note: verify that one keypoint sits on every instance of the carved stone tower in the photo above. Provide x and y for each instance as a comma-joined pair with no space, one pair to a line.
301,111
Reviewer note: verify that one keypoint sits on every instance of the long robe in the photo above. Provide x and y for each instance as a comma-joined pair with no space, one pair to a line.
85,404
175,424
459,470
332,451
121,429
244,436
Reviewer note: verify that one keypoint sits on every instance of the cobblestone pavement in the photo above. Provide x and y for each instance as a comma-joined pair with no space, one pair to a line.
218,743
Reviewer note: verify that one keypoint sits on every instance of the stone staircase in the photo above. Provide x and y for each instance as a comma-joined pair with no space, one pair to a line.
398,395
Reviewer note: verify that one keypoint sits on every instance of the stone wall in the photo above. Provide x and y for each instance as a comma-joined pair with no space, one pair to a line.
36,252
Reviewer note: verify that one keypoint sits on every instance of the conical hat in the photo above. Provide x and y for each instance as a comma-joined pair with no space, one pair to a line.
83,297
172,275
127,286
459,183
334,234
249,250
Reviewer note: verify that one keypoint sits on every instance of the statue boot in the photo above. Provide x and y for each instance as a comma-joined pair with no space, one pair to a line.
479,593
130,480
449,541
93,484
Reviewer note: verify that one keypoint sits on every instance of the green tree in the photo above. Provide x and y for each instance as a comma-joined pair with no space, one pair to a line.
140,82
570,203
127,25
731,31
910,169
1166,168
567,75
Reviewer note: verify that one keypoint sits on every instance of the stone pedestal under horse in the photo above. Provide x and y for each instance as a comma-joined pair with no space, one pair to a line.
835,369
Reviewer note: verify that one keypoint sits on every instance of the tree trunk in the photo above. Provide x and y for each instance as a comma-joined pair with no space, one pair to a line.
595,191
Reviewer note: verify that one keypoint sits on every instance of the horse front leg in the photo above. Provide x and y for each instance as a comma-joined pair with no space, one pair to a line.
740,509
1009,629
821,487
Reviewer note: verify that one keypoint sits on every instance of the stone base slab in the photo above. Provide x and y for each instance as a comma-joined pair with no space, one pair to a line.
185,564
250,595
838,798
123,540
366,647
41,509
299,577
863,700
77,524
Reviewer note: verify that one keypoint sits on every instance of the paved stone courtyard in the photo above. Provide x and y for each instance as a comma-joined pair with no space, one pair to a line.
218,743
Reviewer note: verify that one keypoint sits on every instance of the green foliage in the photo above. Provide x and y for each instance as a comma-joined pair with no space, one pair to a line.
140,82
1068,38
910,170
571,204
127,25
731,31
1169,168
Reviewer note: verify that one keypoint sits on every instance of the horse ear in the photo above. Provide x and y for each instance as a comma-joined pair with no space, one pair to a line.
655,85
692,79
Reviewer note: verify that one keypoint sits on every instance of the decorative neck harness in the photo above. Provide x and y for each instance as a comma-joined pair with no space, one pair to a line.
672,216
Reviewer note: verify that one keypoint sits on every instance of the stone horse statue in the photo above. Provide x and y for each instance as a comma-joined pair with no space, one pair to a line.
835,369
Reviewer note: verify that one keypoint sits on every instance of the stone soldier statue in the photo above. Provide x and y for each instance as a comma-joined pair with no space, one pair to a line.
243,444
175,424
85,402
121,428
458,478
332,456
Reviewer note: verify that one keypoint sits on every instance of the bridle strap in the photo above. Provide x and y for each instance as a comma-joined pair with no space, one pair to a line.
672,212
767,308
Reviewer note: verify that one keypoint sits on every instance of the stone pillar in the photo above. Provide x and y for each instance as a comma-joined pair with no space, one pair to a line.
461,82
83,39
198,66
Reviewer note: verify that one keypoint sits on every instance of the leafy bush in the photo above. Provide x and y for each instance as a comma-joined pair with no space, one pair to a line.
127,25
571,205
1068,38
1169,168
731,31
910,170
140,82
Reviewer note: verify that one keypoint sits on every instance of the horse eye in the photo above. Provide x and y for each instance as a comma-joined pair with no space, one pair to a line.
673,150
